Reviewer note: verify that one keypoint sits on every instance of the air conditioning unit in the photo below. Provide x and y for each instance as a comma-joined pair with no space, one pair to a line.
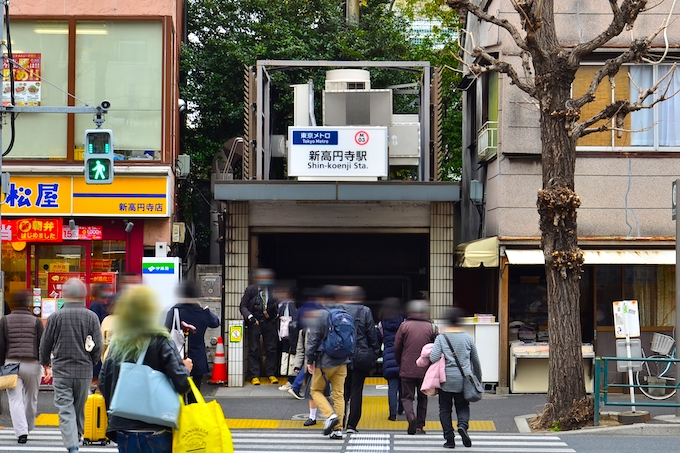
357,108
347,79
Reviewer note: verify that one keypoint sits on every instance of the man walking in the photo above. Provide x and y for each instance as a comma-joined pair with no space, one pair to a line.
366,350
259,308
327,369
72,342
413,334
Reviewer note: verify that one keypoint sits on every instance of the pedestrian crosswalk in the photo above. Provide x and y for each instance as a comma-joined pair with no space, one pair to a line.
279,441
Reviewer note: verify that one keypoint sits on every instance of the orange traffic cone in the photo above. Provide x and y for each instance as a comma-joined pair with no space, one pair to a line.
219,373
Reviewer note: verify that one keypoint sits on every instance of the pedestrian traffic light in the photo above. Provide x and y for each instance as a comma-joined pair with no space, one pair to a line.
98,156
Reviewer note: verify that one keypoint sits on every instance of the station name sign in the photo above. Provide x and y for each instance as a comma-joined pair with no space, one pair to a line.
337,151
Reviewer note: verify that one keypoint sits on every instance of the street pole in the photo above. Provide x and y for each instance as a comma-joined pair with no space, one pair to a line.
677,288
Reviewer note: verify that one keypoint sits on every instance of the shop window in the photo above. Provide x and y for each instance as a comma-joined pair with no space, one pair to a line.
108,256
14,267
123,63
49,40
528,296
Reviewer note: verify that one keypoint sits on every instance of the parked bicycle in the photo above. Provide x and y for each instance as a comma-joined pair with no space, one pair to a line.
658,379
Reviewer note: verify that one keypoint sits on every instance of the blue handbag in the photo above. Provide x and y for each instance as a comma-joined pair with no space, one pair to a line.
144,394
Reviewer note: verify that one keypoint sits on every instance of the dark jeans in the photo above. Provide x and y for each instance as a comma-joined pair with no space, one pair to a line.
408,394
354,388
393,395
270,340
144,441
447,401
299,380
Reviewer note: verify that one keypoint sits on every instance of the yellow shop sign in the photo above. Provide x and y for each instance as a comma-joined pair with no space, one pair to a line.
66,195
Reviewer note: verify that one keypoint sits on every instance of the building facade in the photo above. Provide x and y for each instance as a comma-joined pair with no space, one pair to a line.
56,226
623,179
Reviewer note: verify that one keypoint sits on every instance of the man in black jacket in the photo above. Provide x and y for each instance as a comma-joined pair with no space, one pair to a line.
259,308
366,350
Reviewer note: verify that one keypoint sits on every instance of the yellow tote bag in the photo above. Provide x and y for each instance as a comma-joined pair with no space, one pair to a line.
202,428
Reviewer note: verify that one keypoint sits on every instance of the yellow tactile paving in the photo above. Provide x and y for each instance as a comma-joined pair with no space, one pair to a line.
47,420
375,381
252,423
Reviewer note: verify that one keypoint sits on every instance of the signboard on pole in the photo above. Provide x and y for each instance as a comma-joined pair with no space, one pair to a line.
356,151
626,319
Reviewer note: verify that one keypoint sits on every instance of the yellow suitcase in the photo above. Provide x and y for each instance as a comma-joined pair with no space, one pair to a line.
96,420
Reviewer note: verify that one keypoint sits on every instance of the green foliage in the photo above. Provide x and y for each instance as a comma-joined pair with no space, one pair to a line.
226,36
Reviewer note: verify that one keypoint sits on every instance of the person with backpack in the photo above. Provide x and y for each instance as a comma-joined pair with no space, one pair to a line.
366,351
390,320
412,335
330,346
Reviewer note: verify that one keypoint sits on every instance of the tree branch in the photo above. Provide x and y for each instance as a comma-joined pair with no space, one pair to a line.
466,5
624,16
619,109
495,65
611,67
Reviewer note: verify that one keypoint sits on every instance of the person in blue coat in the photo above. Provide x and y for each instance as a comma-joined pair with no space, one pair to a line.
191,312
390,319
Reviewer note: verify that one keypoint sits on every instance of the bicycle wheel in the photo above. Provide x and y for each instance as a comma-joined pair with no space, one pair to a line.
657,373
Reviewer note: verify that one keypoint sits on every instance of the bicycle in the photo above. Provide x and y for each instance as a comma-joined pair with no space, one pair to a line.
653,375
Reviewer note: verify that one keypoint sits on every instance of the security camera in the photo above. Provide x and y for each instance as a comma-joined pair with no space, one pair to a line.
181,105
105,105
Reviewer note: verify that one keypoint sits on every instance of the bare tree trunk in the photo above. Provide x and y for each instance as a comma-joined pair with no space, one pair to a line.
557,204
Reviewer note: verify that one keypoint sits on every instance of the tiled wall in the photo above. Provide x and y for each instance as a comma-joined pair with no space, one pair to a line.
441,258
236,269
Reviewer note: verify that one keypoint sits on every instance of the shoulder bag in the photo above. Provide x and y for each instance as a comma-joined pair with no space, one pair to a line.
177,334
144,394
9,375
472,388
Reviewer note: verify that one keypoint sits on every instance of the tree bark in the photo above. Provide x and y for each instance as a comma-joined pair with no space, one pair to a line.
557,204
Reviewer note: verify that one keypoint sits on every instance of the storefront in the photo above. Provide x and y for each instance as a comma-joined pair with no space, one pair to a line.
57,227
518,287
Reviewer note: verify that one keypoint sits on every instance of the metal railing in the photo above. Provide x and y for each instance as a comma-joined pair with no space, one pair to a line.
602,387
487,140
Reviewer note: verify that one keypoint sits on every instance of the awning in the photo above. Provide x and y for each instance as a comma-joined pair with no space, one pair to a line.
598,256
482,252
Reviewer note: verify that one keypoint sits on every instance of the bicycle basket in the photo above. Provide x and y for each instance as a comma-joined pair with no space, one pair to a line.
662,344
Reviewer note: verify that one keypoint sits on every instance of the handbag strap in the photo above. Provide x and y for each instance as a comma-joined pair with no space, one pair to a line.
140,359
454,355
176,323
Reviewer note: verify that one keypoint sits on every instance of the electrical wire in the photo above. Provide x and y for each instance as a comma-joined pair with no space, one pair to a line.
665,37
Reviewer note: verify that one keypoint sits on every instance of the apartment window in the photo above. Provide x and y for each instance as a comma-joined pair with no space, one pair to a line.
122,62
651,129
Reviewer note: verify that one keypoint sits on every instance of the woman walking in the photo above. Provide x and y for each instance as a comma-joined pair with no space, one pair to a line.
137,331
20,334
454,341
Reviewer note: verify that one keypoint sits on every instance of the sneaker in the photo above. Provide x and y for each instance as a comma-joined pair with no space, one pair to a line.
336,434
73,450
295,394
351,430
285,387
255,381
465,437
411,427
310,422
420,431
450,444
392,418
22,439
273,380
331,422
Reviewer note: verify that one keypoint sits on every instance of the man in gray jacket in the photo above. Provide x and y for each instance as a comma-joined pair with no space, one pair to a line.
72,343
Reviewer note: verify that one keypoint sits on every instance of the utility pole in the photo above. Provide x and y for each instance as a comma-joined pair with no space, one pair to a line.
99,112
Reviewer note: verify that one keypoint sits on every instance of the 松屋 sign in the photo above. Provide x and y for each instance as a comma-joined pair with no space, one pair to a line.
355,151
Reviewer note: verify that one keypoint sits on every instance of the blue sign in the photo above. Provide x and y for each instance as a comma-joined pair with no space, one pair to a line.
315,137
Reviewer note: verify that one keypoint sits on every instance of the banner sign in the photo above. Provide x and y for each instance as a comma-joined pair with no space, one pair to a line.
341,152
83,233
31,230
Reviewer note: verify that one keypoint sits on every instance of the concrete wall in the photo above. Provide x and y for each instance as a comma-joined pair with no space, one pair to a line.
95,8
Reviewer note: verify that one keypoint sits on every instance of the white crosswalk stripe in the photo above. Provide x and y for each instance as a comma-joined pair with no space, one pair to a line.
276,441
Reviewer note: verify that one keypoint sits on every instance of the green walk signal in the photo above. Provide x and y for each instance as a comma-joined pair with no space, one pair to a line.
98,156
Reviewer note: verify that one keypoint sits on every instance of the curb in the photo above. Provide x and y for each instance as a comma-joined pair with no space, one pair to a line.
637,429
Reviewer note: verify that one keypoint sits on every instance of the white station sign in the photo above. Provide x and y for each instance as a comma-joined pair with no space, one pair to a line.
337,151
